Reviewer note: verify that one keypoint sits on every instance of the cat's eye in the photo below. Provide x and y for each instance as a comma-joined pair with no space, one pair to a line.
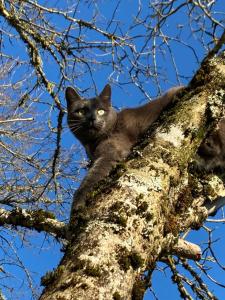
101,112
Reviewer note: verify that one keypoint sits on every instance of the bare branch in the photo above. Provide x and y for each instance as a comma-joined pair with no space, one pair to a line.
16,120
186,249
39,220
218,45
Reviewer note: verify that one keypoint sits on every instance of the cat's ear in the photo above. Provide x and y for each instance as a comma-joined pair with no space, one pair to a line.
71,95
106,94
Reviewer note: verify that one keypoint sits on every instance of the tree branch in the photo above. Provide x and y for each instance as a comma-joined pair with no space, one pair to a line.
218,45
186,249
39,220
215,205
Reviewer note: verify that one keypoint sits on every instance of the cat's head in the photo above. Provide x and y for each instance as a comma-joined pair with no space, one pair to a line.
90,118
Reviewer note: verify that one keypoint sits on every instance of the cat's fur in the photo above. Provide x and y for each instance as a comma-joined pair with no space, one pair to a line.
108,135
212,151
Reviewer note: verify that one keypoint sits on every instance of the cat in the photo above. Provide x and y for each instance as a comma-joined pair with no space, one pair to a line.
211,153
210,158
107,135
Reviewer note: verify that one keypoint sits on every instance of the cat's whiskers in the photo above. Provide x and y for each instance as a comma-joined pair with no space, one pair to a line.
74,124
75,128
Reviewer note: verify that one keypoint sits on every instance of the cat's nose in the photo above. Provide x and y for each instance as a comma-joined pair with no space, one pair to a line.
92,117
92,120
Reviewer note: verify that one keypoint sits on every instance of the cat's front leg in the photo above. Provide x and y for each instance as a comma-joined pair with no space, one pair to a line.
99,170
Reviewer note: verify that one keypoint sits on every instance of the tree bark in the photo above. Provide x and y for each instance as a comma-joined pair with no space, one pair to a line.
136,215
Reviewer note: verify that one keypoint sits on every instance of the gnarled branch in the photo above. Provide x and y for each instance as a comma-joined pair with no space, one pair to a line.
39,220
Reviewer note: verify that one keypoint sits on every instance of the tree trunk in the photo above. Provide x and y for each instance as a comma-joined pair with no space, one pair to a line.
136,215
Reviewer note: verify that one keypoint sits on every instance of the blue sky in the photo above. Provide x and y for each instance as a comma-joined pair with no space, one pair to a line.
176,65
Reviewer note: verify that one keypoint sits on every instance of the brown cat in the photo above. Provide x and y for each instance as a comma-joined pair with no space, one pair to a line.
107,135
